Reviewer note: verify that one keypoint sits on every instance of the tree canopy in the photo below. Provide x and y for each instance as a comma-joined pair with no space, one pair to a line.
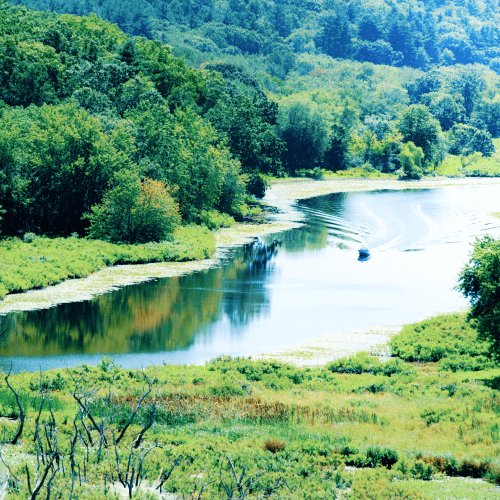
479,281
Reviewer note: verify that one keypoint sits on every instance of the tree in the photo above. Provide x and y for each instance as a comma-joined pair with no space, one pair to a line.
334,34
411,158
134,211
304,132
420,127
465,140
444,107
337,153
479,281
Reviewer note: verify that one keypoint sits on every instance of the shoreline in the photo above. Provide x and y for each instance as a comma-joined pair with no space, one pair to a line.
282,195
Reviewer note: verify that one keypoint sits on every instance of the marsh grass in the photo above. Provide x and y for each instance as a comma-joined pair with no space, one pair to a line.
296,428
38,262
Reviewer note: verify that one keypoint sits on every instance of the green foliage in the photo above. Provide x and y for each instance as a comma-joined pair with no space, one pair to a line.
411,158
465,140
437,339
379,485
43,261
362,362
215,220
304,132
134,211
418,126
479,281
465,363
257,186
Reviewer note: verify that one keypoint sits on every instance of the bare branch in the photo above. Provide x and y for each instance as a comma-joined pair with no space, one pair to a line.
138,439
138,405
164,477
22,416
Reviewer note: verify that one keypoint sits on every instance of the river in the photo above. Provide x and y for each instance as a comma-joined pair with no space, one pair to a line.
281,289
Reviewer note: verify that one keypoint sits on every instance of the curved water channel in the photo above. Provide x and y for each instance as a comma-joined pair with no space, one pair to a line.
281,289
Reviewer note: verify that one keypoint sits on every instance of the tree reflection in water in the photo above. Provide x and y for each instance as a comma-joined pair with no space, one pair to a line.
160,315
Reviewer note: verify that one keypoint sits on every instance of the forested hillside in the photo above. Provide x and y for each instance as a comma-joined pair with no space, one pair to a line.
101,129
410,33
384,85
112,135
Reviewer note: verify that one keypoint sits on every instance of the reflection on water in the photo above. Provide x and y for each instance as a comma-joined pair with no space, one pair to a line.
158,315
279,290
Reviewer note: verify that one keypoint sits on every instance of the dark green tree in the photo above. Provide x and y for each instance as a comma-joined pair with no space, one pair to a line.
420,127
336,154
334,37
479,281
305,134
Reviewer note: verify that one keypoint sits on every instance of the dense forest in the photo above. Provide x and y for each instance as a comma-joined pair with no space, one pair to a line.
411,33
111,134
101,129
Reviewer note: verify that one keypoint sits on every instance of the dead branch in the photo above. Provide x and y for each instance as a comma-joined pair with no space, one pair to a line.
22,415
165,475
138,405
138,439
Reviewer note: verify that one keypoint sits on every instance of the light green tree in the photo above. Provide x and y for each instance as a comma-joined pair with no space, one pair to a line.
418,126
411,158
479,281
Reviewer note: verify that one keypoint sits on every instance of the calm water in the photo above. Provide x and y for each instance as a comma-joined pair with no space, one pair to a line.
278,291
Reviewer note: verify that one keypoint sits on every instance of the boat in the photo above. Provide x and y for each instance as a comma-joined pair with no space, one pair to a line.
364,252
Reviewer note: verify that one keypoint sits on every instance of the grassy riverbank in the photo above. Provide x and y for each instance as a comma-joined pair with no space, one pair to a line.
38,262
356,428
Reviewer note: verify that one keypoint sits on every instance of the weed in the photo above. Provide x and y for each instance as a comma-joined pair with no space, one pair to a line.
274,445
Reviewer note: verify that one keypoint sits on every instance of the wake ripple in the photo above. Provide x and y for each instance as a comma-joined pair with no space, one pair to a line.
405,220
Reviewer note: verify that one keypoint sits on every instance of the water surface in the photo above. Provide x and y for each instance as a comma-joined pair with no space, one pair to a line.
280,290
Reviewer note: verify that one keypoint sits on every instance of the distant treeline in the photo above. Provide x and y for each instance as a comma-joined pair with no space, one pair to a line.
411,33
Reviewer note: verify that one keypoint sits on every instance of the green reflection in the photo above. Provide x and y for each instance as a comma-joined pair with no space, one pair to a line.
160,315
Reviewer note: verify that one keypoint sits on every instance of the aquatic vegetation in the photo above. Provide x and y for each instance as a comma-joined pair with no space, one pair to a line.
37,262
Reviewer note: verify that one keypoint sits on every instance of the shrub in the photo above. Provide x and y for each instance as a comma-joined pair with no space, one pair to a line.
436,338
257,185
362,362
381,455
378,484
465,363
214,219
273,445
421,470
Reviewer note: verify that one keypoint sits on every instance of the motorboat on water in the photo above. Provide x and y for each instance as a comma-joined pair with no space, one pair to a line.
364,252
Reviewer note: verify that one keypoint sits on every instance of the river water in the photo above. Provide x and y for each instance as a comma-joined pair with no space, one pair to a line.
280,290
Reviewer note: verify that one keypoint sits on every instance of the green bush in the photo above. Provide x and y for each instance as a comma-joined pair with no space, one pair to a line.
362,362
465,363
436,338
422,470
378,484
257,185
381,455
213,219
